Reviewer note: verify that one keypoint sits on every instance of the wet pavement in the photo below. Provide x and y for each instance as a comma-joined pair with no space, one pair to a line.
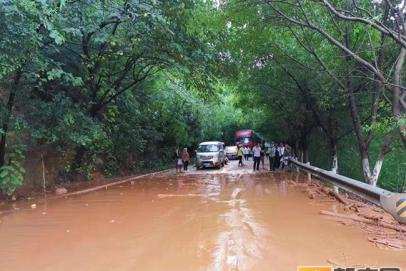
228,219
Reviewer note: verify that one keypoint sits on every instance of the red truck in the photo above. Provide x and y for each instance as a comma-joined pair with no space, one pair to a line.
246,138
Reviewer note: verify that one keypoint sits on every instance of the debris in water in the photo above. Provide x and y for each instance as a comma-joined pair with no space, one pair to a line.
330,261
33,206
267,191
61,190
112,221
160,196
68,231
132,182
382,229
44,213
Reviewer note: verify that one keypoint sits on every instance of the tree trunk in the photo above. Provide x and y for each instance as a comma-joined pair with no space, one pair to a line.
376,172
298,150
373,176
362,146
397,98
334,156
385,149
332,134
9,108
366,169
304,148
402,129
356,121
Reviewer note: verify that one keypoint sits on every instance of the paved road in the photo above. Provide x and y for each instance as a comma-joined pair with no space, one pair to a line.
228,219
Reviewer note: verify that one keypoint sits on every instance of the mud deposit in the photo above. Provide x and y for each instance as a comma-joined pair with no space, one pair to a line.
199,221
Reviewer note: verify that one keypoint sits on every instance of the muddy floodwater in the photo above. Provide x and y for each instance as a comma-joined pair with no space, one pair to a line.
231,220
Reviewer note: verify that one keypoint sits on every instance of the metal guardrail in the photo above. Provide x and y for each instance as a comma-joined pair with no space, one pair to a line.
394,203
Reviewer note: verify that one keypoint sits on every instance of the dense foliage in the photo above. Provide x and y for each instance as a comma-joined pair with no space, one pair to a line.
116,86
112,85
328,78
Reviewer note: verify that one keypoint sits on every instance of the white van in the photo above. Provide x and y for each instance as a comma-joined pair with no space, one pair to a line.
210,154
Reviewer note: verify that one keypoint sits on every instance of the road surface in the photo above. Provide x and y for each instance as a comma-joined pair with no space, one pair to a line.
228,219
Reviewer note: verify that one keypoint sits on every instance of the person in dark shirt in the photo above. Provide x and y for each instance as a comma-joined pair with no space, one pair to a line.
277,159
262,156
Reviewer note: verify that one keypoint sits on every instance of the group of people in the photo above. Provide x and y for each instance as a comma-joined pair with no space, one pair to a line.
182,160
277,154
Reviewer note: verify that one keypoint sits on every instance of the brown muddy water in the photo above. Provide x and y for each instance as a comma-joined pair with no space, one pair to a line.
204,221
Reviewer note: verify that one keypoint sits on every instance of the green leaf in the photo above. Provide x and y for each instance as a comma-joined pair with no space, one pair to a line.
57,36
3,173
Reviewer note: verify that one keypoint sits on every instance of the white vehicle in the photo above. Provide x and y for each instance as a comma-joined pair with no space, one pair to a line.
210,154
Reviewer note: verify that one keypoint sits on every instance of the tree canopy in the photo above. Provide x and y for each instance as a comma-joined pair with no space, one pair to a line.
116,86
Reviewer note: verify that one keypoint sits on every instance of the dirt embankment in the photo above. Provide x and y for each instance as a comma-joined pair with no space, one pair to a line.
46,166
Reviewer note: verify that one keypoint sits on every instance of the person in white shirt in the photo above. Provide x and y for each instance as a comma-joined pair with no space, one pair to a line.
287,152
246,153
281,150
257,156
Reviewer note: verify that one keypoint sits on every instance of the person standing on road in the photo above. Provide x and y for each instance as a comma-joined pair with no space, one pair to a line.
281,150
246,153
262,158
286,155
185,159
277,159
178,161
240,153
271,151
257,156
267,153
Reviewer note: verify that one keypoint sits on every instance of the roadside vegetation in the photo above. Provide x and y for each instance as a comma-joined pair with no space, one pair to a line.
114,87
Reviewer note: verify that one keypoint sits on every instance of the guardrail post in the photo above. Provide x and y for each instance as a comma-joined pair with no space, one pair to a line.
309,175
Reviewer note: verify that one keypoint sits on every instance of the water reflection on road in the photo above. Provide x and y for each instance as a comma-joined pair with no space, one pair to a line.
200,221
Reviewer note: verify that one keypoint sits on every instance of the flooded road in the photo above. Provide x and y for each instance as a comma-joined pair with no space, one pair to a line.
222,220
